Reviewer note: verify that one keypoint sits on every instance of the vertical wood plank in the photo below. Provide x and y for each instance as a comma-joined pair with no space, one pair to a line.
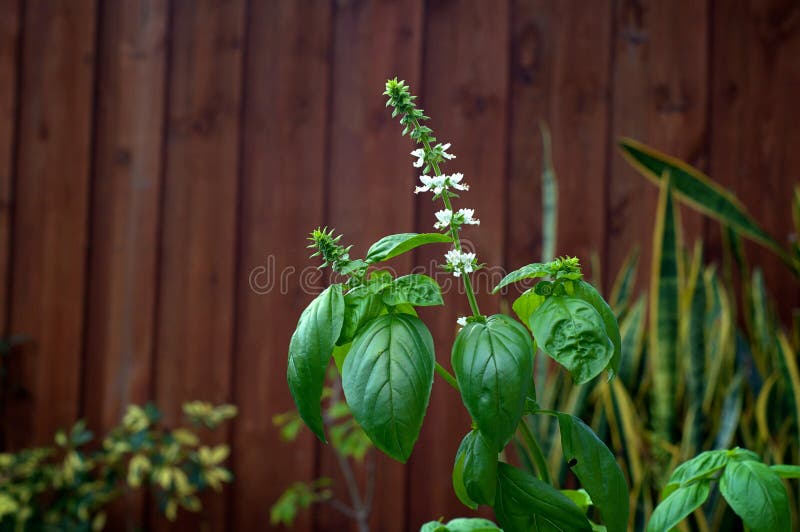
50,216
371,192
756,82
124,218
660,98
466,94
198,241
9,46
552,81
534,30
282,198
580,114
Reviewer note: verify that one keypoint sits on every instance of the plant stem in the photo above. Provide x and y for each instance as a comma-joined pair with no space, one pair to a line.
447,376
536,451
473,303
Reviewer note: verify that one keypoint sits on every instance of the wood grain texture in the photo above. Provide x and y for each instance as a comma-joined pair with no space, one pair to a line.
660,98
755,116
50,217
282,200
533,33
465,91
9,47
579,124
371,184
198,237
124,218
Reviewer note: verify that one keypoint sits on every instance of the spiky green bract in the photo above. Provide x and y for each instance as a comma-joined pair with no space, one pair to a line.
334,254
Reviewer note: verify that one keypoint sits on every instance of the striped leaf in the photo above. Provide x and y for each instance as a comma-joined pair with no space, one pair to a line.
664,313
698,191
549,197
695,349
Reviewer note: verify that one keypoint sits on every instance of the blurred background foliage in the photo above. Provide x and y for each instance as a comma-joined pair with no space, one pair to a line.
68,486
707,361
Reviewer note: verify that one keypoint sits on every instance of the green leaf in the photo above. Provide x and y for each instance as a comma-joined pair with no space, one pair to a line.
361,304
698,191
757,495
461,524
415,289
458,483
678,506
664,312
597,469
394,245
786,471
475,471
622,289
526,304
579,497
310,353
339,354
526,272
387,378
525,503
493,363
588,293
700,467
573,333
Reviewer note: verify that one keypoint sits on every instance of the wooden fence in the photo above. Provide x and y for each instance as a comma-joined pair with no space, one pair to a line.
157,157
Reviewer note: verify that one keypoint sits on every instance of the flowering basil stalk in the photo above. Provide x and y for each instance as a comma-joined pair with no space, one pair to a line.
387,358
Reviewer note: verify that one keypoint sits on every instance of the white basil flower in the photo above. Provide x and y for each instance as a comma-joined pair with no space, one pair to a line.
455,181
460,262
444,218
436,183
462,321
419,153
444,148
466,216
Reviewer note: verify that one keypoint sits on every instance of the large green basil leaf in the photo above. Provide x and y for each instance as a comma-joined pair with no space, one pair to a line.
526,304
757,495
310,352
493,363
572,332
530,271
475,471
588,293
461,524
525,503
677,506
598,471
394,245
361,304
387,378
415,289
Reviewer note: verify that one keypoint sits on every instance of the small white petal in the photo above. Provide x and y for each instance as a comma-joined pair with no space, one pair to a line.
462,321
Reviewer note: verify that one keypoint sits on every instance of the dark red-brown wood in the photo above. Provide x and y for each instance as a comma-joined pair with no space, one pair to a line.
755,116
161,162
126,195
198,236
51,199
660,69
284,153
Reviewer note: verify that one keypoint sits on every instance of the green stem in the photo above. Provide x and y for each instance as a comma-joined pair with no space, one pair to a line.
536,451
473,302
447,376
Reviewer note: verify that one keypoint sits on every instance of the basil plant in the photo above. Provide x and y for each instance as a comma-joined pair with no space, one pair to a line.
386,358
